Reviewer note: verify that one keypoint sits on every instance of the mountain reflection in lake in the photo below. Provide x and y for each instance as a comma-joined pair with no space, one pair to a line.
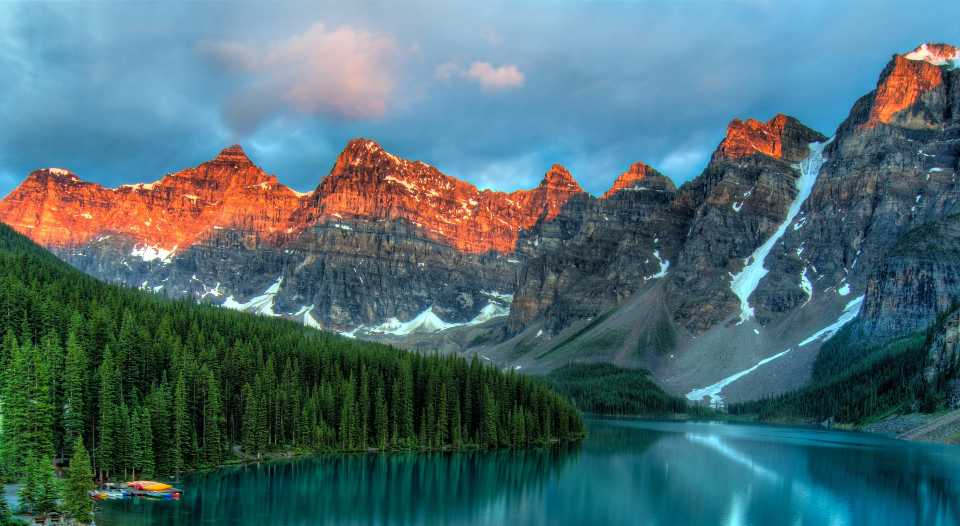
626,472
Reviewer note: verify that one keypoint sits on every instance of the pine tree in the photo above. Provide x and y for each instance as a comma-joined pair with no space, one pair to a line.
380,419
363,409
407,431
40,491
48,409
456,423
158,408
348,419
16,439
212,422
182,428
443,424
249,435
489,428
74,390
111,422
76,499
395,415
143,454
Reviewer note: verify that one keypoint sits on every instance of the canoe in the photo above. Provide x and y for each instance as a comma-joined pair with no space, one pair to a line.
108,495
148,485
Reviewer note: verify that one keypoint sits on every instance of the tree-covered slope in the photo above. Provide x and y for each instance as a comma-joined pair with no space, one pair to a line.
154,386
607,389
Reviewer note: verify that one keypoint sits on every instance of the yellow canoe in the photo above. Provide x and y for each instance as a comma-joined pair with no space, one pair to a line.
149,485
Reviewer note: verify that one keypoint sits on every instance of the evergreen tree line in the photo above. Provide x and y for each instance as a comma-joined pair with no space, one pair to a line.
606,389
153,387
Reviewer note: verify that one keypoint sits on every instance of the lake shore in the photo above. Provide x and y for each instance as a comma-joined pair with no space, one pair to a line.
936,428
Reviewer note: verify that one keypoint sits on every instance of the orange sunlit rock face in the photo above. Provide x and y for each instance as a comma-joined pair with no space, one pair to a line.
749,137
368,183
900,87
55,208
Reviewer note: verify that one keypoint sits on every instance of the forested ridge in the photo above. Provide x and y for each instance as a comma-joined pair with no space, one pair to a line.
154,387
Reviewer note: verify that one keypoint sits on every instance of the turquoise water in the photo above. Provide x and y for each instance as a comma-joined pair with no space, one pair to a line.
626,472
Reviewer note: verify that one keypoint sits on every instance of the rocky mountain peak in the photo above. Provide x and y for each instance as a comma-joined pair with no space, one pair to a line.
781,137
233,154
640,176
44,176
363,151
558,178
907,78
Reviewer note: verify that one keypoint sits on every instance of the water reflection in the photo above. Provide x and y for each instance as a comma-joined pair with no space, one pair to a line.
463,488
627,472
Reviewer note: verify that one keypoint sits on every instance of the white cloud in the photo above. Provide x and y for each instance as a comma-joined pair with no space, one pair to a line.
343,71
503,77
489,77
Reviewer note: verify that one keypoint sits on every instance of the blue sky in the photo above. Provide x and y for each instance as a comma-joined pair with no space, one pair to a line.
492,93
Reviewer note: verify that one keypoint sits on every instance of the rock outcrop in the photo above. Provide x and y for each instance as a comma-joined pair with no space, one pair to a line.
917,279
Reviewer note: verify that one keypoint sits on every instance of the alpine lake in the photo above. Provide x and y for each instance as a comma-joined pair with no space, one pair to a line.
635,472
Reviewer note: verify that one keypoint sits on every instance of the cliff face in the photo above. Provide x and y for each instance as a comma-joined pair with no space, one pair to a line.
917,279
943,353
597,252
910,80
782,137
880,180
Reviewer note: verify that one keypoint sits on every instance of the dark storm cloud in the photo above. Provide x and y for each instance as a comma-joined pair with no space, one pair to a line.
492,93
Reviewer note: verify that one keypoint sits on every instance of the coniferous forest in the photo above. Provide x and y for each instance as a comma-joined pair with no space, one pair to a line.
153,387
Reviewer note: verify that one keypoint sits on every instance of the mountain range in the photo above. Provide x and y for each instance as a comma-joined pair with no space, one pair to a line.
724,288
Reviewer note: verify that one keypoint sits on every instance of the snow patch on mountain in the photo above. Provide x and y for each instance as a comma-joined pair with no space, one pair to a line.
850,311
806,285
262,304
664,267
712,392
746,281
428,322
150,253
936,55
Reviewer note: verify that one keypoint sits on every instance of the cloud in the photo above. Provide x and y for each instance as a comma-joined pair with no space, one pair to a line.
504,77
489,77
344,72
